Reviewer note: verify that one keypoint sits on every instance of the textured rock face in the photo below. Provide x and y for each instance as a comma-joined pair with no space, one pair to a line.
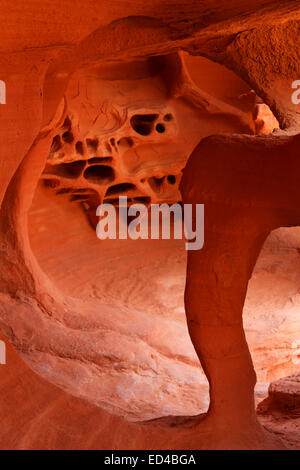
271,317
49,418
281,409
284,395
112,106
96,157
114,142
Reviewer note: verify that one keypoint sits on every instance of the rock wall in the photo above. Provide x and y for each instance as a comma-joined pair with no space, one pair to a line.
112,105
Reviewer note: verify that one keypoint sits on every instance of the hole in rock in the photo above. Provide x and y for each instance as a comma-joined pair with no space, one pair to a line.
168,117
64,191
108,147
272,306
143,282
99,174
92,145
171,179
142,199
143,123
68,137
160,128
225,85
79,197
156,183
125,142
94,160
67,124
51,183
66,170
119,188
56,144
83,190
79,147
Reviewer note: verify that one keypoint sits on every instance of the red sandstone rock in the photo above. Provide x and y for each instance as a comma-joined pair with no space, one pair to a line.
280,410
72,82
284,395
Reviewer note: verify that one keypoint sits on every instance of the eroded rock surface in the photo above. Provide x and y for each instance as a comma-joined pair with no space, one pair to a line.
111,105
280,411
120,273
116,142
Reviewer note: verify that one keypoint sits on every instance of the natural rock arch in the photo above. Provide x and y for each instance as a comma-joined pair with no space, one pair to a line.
26,289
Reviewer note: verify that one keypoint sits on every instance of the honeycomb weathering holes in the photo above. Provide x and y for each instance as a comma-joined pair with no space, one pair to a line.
67,124
94,160
115,154
119,188
92,145
68,137
99,174
171,179
79,147
51,183
56,144
64,191
156,183
160,128
125,142
143,123
136,199
66,170
168,117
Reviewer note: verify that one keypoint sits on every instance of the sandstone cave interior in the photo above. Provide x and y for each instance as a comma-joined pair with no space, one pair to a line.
139,344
